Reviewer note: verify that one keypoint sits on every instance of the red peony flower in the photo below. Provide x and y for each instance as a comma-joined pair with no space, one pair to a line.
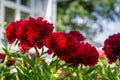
2,57
78,35
85,54
62,44
11,32
112,48
30,32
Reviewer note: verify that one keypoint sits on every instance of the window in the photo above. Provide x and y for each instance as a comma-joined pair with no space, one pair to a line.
25,2
24,15
9,14
19,9
12,0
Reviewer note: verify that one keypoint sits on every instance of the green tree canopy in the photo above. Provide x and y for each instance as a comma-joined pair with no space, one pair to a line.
88,12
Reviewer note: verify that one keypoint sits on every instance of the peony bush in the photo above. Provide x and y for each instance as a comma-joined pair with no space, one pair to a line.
71,57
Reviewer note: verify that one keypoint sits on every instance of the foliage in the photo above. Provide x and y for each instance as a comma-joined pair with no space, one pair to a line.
38,69
89,11
23,65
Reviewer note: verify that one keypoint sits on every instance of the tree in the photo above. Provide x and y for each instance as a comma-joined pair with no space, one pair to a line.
82,14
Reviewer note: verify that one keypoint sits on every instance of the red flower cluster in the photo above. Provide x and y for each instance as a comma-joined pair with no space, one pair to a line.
67,46
112,47
9,63
30,32
85,54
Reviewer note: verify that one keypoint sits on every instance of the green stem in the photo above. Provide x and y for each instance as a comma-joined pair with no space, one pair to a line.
118,69
10,47
117,64
81,72
1,78
51,77
42,51
37,52
6,59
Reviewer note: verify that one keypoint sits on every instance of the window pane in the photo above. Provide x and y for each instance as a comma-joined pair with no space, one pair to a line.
12,0
37,4
24,15
9,14
25,2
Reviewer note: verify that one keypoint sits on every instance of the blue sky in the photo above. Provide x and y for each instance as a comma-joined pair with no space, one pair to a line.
111,27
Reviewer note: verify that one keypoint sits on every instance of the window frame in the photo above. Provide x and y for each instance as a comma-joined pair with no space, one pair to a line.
20,8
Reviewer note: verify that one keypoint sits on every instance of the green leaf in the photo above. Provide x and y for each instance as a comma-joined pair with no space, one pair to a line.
10,76
54,63
29,61
91,69
6,51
